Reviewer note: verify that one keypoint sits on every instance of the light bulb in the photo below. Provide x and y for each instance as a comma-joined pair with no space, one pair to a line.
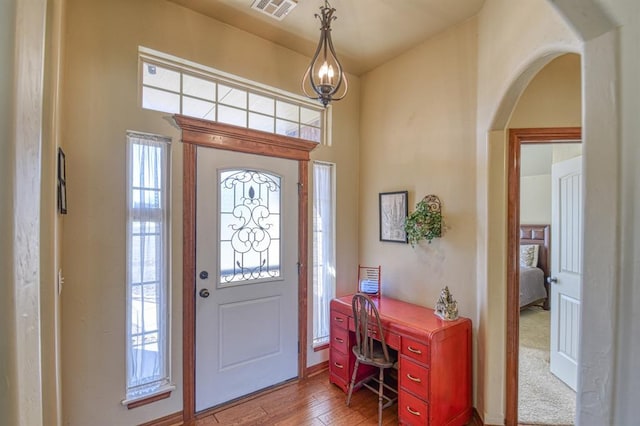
322,73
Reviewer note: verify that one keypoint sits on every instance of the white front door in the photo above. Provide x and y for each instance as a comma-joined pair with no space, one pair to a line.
246,274
566,268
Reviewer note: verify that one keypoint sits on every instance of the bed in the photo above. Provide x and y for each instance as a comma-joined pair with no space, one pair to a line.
534,265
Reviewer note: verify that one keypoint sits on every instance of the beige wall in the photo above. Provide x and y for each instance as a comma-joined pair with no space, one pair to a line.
51,220
552,99
25,276
8,400
101,103
418,134
418,124
535,186
418,131
535,199
608,389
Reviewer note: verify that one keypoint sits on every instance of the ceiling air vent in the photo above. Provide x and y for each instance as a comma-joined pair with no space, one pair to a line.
277,9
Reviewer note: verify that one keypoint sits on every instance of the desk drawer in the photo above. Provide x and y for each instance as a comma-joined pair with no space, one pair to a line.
339,320
414,378
339,339
411,410
391,339
418,351
339,364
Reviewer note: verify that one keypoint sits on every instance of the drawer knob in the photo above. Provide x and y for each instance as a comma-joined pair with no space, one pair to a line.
414,379
338,365
338,319
414,350
414,412
339,340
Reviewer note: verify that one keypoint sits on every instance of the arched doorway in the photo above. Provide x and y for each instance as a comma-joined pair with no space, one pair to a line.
599,132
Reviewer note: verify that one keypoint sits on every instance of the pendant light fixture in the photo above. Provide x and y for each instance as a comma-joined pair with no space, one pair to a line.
325,75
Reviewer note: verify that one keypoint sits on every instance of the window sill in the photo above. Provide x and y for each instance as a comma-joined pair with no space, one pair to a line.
321,347
138,401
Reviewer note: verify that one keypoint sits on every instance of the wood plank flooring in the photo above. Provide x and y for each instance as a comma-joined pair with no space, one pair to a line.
310,402
313,402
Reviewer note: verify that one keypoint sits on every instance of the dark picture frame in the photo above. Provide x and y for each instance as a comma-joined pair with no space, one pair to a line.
62,182
393,208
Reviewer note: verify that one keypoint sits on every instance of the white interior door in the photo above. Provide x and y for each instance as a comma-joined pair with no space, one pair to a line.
566,268
247,279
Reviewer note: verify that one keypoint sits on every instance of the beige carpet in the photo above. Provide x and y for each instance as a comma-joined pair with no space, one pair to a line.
542,397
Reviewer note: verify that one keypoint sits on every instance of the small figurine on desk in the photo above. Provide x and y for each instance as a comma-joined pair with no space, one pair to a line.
447,307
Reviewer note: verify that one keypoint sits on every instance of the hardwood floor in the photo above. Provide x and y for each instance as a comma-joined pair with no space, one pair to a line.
312,402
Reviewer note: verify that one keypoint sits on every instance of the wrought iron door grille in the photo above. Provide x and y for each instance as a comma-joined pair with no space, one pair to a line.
250,225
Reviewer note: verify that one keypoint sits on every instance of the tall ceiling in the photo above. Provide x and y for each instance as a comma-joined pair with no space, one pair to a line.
365,34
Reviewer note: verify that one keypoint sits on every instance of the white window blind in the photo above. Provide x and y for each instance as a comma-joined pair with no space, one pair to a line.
148,296
324,271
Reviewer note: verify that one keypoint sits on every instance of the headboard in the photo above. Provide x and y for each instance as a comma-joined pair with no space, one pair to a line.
538,234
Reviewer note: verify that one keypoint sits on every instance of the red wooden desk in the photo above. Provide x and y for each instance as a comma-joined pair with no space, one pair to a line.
434,368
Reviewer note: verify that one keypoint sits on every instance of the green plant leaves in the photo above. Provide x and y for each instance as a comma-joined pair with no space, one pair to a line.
423,223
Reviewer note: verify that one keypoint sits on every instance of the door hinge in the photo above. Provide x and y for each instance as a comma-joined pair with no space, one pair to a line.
300,186
299,267
298,346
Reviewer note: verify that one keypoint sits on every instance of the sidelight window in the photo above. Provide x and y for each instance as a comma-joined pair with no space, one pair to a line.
148,296
324,257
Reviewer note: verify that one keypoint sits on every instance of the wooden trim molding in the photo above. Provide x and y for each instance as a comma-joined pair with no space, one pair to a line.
476,420
197,132
148,400
303,244
174,419
318,368
224,136
321,347
517,137
188,282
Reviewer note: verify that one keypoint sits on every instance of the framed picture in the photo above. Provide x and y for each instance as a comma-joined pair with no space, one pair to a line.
394,209
62,182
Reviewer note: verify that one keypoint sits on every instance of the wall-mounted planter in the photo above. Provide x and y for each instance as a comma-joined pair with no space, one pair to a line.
425,222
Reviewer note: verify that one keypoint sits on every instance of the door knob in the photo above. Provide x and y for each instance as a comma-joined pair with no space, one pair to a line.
204,293
552,280
204,275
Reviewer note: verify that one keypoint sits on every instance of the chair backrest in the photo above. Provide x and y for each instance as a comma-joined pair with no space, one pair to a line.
367,318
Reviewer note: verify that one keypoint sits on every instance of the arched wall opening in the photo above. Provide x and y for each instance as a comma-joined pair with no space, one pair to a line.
600,138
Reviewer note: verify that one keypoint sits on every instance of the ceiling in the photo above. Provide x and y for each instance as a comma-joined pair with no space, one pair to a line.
366,33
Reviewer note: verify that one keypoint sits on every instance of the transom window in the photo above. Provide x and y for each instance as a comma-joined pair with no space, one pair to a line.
250,224
201,92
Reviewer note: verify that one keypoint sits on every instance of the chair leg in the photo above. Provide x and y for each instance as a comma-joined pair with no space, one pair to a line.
380,393
353,381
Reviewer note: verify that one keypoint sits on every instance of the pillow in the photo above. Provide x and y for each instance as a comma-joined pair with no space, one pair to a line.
529,255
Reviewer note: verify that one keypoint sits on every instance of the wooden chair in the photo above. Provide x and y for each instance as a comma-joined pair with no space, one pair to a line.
370,351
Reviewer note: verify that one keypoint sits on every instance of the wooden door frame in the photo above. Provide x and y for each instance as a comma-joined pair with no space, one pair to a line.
197,132
517,137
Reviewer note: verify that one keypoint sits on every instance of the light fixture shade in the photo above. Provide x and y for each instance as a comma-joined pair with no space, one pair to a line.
325,76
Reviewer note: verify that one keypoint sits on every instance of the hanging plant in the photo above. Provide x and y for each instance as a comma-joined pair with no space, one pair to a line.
425,222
